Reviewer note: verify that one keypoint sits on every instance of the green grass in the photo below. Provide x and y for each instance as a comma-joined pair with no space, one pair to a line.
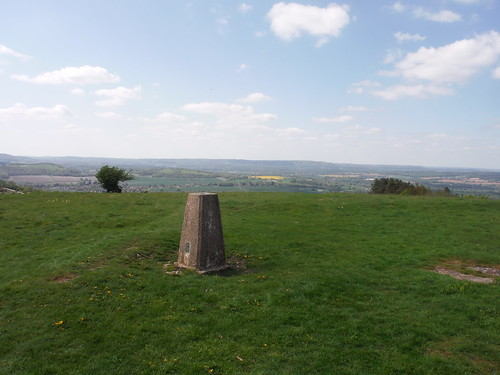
335,284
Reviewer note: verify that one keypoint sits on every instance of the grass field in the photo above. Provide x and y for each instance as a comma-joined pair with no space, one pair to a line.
331,284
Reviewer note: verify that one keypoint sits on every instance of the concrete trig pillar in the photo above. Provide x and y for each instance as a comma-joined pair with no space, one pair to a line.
202,243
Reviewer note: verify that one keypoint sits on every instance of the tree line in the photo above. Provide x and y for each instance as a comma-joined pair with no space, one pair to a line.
397,186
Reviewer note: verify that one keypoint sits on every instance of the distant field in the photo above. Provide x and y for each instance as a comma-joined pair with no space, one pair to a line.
326,284
172,181
268,177
44,179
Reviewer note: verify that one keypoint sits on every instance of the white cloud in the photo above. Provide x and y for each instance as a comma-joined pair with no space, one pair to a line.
289,132
77,91
352,108
336,120
398,7
418,91
222,24
230,115
359,87
165,117
290,21
72,75
109,115
440,67
244,8
10,52
496,73
446,16
393,55
405,37
22,111
117,96
222,21
467,1
256,97
454,62
242,67
359,130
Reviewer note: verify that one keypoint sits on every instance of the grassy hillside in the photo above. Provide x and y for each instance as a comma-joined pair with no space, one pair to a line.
327,284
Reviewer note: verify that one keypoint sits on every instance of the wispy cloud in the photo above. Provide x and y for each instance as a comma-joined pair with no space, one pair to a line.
356,130
256,97
22,111
72,75
77,91
10,52
418,91
353,108
244,8
117,96
406,37
467,1
336,120
164,118
360,87
496,73
393,55
242,67
109,115
398,7
446,16
230,115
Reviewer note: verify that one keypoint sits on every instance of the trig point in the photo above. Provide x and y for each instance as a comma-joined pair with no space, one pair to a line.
202,242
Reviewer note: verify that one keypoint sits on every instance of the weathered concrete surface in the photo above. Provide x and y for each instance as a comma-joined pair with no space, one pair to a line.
202,243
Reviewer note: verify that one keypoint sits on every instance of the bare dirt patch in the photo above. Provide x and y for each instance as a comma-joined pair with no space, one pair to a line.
462,276
64,278
468,272
487,270
235,264
171,269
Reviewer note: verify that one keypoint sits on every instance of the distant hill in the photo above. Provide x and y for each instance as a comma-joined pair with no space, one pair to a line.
6,158
283,167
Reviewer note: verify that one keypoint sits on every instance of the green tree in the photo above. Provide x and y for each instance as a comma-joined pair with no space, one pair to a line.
109,177
397,186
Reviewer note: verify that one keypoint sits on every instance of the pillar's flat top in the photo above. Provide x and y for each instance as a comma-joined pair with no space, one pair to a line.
202,193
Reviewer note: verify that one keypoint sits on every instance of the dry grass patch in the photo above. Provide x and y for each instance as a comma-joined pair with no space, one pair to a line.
450,348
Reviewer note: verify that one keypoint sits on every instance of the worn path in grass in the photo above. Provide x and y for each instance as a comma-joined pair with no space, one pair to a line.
334,284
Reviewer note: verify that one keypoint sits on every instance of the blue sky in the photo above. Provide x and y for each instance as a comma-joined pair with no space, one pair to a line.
372,82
